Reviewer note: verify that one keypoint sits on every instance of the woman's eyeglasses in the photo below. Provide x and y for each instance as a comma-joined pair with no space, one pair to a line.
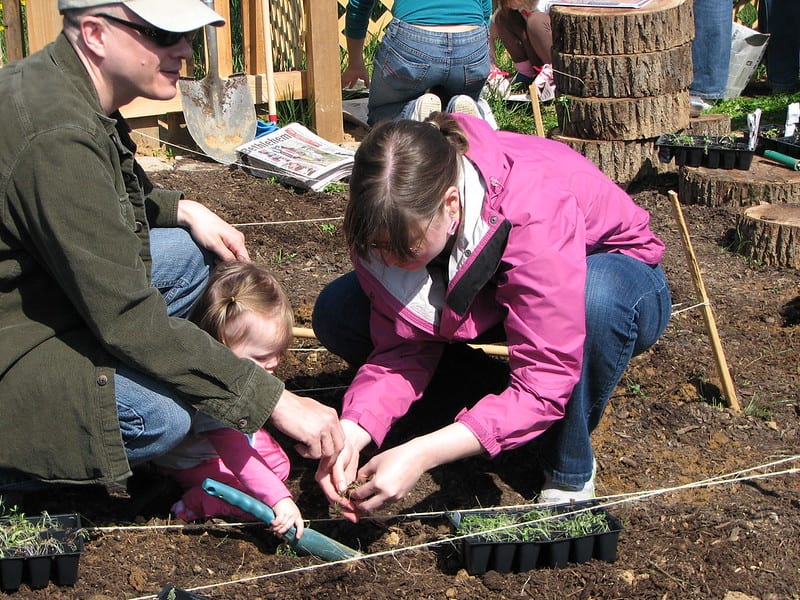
162,38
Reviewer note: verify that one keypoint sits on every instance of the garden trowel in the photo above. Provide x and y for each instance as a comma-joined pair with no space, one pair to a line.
312,541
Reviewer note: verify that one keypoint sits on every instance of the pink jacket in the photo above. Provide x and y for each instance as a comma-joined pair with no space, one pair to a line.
533,210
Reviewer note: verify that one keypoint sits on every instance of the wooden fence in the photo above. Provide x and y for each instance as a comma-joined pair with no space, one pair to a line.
303,31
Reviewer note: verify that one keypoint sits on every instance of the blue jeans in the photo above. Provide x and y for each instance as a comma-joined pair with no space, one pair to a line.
152,417
628,306
411,61
711,48
781,19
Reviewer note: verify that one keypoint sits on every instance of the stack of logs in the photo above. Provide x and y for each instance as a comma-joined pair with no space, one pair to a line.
622,79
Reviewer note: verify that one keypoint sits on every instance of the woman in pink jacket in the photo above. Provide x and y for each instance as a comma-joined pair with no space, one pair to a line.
457,231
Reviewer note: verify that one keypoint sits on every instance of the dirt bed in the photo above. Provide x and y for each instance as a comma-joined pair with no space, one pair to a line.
666,428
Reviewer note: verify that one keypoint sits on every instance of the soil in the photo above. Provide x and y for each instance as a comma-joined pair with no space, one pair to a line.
667,427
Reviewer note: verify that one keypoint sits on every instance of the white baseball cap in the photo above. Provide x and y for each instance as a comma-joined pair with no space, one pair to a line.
169,15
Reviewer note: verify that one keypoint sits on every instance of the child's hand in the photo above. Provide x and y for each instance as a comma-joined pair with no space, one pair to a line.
286,515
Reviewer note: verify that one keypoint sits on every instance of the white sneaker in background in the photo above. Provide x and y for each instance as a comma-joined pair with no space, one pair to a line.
553,494
424,106
464,104
487,114
697,105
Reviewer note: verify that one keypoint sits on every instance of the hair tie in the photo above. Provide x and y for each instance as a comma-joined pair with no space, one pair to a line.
233,299
434,124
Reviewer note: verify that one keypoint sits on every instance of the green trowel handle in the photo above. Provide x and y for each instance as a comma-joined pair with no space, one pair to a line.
312,541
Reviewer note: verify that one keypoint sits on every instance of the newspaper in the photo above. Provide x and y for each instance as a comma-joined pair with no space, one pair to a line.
298,157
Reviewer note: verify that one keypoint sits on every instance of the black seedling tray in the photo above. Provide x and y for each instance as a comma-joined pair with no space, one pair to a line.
776,141
711,151
505,555
59,567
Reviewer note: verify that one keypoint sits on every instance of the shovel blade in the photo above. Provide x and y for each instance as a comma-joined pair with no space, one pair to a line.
219,113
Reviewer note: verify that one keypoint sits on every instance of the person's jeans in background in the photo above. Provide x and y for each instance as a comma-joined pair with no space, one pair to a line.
628,306
711,48
411,61
781,19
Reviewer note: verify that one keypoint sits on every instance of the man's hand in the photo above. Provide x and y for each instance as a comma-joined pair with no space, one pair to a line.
335,477
315,426
211,232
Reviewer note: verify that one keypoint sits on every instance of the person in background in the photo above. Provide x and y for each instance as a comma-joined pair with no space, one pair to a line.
711,52
523,26
433,54
781,19
99,368
245,308
460,233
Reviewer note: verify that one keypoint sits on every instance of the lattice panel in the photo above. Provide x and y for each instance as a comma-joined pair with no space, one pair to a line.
381,15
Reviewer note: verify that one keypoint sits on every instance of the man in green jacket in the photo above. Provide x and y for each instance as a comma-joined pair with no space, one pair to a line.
98,369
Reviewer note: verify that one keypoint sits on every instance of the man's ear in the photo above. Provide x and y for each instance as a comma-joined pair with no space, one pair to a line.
94,34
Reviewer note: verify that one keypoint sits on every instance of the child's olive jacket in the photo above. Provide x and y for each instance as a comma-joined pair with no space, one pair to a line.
532,211
75,293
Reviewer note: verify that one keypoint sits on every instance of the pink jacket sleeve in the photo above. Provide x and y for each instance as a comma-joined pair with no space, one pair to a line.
260,468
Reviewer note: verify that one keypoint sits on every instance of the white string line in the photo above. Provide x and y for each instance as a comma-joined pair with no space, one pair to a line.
287,222
728,478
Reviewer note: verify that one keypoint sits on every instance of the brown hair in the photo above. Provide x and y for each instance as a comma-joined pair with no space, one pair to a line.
238,287
401,172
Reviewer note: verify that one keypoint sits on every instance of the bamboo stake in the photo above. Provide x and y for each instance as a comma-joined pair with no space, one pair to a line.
708,315
533,91
491,349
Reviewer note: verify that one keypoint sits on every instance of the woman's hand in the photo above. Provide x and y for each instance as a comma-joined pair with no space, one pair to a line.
335,478
211,232
286,515
390,475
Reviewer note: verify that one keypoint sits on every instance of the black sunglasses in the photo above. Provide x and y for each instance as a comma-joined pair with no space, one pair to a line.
162,38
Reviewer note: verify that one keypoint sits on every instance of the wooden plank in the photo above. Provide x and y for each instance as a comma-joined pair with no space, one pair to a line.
44,23
12,17
225,49
322,49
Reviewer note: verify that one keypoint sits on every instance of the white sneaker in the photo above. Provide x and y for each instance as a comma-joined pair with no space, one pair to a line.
553,494
424,106
486,113
697,105
464,104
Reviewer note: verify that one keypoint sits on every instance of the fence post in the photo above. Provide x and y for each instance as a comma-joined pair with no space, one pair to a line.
323,73
12,17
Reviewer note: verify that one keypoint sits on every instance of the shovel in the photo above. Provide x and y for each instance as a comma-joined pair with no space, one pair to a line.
220,113
312,541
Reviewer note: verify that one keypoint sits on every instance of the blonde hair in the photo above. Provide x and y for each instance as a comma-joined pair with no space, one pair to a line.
401,172
238,287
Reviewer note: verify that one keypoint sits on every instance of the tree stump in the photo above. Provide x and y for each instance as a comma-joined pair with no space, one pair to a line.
622,76
709,124
660,25
623,118
764,182
770,234
623,161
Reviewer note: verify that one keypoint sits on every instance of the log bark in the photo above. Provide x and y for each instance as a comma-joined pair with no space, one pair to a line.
624,75
623,118
770,234
763,182
709,124
660,25
624,162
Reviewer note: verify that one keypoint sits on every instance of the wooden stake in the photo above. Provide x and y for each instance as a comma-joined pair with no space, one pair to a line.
491,349
708,315
533,91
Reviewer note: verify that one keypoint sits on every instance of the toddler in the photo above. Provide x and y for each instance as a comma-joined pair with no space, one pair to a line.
245,308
